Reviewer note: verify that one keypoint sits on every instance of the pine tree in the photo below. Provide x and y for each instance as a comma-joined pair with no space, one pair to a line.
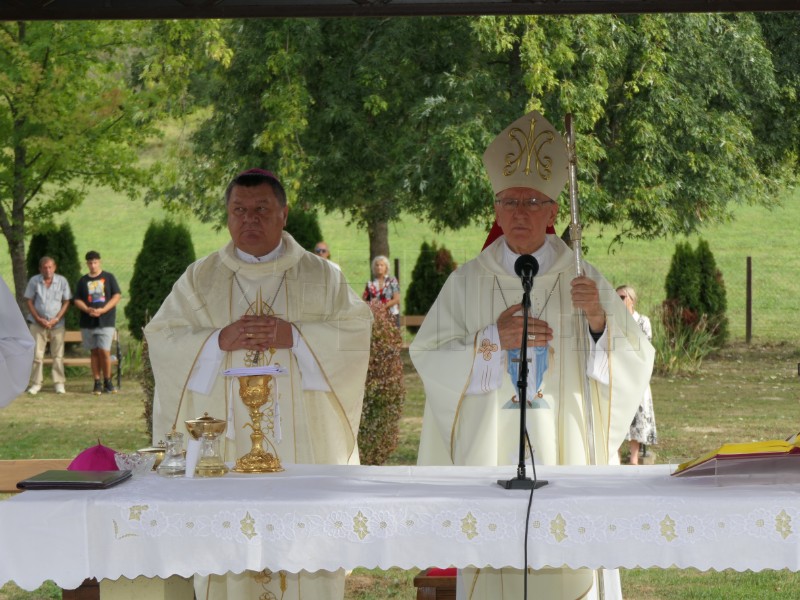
431,270
713,300
303,225
166,252
683,279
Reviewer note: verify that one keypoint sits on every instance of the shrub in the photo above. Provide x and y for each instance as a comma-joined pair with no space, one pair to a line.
432,269
683,279
166,252
713,299
680,349
385,391
303,225
693,315
58,243
148,381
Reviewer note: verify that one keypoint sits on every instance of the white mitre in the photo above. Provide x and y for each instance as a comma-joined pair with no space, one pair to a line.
528,153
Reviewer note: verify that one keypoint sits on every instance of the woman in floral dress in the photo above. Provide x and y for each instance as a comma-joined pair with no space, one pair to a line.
643,426
384,288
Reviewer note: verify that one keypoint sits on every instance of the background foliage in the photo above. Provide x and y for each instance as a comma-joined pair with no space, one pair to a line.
385,390
166,252
433,267
680,117
303,224
692,322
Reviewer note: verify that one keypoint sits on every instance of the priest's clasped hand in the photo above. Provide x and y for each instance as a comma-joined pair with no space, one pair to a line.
253,332
509,328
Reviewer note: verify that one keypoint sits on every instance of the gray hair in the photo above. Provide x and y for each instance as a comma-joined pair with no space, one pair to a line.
380,258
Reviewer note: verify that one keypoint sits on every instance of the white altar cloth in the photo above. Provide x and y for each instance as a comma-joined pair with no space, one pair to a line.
330,517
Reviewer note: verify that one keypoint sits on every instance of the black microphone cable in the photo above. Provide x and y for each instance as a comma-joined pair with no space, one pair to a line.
528,513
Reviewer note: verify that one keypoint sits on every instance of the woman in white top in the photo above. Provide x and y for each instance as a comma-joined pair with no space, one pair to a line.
643,427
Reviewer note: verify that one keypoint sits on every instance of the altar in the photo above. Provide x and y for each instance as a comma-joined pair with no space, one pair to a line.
316,517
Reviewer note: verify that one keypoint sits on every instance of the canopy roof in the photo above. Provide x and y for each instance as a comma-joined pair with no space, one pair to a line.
223,9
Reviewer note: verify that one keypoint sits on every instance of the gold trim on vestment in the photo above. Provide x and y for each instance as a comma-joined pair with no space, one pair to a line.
461,400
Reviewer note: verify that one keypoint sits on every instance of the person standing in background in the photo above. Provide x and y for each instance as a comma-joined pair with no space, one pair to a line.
384,288
48,297
96,296
322,250
643,426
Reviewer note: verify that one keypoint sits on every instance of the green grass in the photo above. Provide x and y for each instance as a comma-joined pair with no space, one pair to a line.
741,394
115,226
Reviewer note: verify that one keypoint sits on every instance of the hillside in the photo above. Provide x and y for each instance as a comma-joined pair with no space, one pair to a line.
115,227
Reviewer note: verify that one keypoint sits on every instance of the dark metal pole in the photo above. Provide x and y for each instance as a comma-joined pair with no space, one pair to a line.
748,319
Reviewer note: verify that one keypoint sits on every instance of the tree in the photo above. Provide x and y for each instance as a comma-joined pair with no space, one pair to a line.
166,252
303,224
430,272
69,117
374,117
59,244
682,283
713,299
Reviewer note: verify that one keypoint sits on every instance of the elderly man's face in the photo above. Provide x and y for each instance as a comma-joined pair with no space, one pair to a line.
525,226
47,269
255,219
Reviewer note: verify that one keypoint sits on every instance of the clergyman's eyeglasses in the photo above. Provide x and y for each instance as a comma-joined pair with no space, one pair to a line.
529,205
321,250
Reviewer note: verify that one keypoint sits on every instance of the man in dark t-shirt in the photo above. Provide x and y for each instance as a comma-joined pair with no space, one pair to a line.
96,296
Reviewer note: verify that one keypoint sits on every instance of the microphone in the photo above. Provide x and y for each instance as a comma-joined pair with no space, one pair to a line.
526,267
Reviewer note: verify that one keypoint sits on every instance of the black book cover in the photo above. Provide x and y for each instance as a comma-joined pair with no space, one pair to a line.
74,480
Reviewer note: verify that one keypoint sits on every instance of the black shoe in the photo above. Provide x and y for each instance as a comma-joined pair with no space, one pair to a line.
98,387
108,387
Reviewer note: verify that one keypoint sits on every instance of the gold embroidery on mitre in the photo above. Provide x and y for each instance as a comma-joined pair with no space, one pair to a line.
530,145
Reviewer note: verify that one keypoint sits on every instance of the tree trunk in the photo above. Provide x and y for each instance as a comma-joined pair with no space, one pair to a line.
17,251
378,239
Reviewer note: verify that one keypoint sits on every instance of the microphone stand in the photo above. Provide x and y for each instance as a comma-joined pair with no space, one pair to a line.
521,481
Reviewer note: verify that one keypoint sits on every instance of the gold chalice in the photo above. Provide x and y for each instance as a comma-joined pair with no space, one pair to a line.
207,430
256,391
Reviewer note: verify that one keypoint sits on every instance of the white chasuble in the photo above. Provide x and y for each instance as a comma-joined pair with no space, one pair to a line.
316,427
480,428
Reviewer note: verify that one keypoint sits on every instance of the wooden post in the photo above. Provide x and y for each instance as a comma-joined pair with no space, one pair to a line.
748,319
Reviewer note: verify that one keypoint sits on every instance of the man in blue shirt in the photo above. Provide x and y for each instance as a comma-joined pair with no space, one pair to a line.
48,297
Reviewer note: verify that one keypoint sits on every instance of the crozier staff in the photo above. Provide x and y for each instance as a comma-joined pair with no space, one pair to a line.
465,349
264,300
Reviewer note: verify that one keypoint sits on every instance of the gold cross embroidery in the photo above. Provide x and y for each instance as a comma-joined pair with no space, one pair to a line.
486,348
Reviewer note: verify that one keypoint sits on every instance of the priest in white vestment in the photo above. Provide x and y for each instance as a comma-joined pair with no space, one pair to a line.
16,347
465,353
264,300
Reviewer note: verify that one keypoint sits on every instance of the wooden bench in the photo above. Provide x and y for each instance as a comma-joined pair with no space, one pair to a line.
12,471
74,337
436,584
411,320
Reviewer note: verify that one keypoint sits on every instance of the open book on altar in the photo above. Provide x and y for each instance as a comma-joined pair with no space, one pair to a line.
776,460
